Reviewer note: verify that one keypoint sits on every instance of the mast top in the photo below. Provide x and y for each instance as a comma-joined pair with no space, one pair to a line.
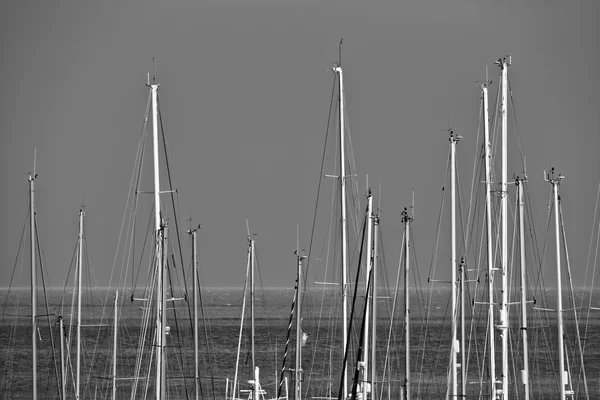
190,231
454,138
153,74
550,177
487,81
504,61
33,175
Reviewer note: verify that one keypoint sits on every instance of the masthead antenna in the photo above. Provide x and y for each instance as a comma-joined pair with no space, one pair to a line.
413,203
34,159
340,52
379,198
154,70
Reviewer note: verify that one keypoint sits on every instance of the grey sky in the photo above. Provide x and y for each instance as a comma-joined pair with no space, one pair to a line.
245,91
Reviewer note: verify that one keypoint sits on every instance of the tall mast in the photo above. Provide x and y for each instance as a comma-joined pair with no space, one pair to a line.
195,262
406,219
299,333
365,354
163,313
490,260
555,181
63,374
504,63
338,70
374,305
525,372
158,239
114,379
453,140
252,260
33,280
463,361
79,273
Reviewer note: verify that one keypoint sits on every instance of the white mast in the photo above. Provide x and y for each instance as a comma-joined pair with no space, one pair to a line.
33,279
299,332
159,242
252,260
406,219
338,70
79,273
555,181
463,361
195,277
374,304
504,63
365,355
490,260
525,372
63,374
114,379
453,140
237,362
163,314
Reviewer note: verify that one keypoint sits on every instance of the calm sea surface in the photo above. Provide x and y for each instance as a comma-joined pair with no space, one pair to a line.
321,357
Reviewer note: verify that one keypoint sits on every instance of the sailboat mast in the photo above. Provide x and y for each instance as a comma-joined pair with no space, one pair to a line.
63,374
504,63
374,305
33,281
365,354
555,181
163,313
490,260
463,353
79,274
525,372
406,219
299,332
338,70
453,140
195,277
114,379
159,249
252,260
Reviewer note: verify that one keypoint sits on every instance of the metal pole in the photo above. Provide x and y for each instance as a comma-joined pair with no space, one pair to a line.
453,140
299,332
63,374
33,282
159,250
114,380
252,255
79,273
365,354
196,371
463,361
490,260
525,374
559,309
406,219
338,70
504,63
374,306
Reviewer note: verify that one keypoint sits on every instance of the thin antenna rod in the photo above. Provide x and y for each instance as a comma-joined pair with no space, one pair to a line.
340,52
413,203
154,70
34,160
379,198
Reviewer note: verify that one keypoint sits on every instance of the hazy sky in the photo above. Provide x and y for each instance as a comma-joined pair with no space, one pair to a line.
245,91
